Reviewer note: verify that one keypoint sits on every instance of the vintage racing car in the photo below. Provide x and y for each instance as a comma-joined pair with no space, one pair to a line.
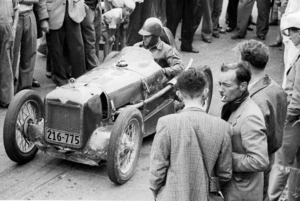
101,116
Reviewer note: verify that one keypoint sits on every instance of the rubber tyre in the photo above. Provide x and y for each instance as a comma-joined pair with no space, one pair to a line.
11,146
129,116
209,77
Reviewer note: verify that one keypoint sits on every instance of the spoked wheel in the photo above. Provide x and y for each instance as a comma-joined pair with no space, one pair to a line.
125,145
207,72
25,109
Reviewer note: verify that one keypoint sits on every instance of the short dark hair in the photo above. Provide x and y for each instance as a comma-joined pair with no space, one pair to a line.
242,71
192,82
254,52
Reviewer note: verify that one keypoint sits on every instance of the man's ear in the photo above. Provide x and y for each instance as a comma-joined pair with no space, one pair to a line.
243,86
178,93
205,93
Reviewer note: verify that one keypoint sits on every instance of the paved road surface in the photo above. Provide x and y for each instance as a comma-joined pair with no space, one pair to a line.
50,178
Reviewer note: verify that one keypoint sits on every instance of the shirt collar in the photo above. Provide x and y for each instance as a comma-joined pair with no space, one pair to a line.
259,84
201,109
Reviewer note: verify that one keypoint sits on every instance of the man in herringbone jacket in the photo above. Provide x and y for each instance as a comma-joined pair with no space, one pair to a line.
176,161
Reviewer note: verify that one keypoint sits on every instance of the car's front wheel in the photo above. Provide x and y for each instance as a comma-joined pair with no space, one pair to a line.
125,145
26,108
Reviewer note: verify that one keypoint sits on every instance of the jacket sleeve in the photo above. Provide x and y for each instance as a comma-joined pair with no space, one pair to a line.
175,64
223,168
159,157
254,141
293,109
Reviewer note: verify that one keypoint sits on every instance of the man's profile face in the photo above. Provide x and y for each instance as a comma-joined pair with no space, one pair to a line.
228,87
147,40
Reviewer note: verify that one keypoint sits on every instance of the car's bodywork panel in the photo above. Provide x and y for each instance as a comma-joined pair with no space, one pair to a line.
86,108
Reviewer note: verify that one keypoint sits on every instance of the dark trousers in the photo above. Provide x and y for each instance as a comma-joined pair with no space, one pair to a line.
48,64
66,48
262,24
211,15
89,39
232,13
244,13
98,27
190,14
149,8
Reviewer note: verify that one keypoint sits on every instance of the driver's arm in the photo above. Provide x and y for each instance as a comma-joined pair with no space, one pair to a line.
175,64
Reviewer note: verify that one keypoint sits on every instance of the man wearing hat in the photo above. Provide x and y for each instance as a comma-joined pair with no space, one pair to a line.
165,55
288,156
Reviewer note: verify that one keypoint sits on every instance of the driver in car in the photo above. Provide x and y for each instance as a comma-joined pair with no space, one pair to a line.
165,55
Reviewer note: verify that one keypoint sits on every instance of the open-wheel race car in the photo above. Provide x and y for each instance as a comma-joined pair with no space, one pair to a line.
101,116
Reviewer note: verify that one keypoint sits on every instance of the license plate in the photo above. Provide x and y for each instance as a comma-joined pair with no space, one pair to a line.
57,136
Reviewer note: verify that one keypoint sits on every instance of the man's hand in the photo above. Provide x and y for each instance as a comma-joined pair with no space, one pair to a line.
112,39
45,26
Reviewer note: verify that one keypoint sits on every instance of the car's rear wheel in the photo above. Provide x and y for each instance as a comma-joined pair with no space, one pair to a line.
125,145
209,77
26,108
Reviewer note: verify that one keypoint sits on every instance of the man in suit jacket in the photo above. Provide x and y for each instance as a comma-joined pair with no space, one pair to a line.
249,142
177,161
65,41
269,97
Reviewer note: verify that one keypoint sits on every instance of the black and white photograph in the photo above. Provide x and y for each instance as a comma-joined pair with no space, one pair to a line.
150,100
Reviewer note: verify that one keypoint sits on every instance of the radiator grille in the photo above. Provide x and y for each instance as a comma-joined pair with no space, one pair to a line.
64,117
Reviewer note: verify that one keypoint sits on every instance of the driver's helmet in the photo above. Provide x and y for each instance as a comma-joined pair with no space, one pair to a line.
152,26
